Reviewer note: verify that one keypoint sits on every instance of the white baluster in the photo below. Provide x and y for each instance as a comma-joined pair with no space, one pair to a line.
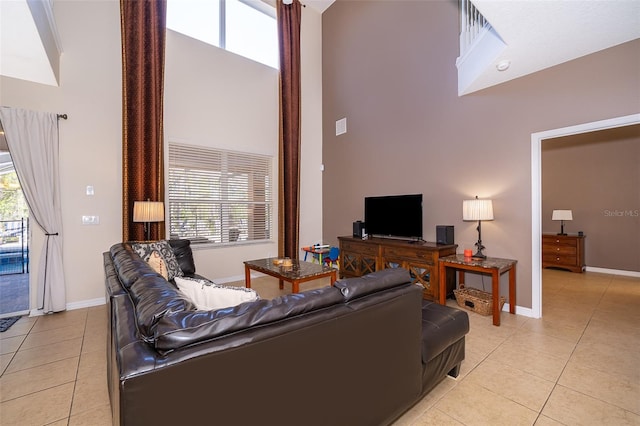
471,24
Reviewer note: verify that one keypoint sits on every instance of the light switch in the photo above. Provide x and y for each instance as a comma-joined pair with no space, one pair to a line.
90,220
89,189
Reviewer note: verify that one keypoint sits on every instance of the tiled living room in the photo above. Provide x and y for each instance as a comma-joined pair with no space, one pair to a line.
576,365
392,72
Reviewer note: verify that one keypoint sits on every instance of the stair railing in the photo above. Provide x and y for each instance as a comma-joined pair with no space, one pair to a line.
471,23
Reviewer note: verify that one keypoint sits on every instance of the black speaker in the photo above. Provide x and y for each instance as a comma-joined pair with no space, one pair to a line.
358,229
444,234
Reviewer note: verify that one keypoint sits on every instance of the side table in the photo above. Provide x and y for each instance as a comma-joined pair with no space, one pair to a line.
491,265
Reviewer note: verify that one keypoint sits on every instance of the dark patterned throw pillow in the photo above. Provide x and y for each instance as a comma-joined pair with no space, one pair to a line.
145,250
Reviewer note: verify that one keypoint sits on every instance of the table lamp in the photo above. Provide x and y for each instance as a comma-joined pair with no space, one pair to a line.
562,215
479,210
147,212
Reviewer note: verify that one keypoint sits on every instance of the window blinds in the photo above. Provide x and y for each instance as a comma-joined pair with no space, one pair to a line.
218,196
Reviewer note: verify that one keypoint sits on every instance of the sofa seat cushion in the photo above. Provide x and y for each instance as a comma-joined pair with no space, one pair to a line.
207,295
441,327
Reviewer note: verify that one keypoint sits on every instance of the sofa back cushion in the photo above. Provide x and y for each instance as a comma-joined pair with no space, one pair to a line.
154,297
151,294
128,265
353,288
184,255
184,328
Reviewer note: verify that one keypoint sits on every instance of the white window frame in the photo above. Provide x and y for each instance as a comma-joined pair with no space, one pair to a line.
258,5
226,197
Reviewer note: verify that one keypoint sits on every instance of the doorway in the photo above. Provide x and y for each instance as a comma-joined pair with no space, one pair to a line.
536,193
14,267
14,239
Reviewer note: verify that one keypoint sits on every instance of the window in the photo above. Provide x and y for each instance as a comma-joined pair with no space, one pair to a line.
218,196
245,27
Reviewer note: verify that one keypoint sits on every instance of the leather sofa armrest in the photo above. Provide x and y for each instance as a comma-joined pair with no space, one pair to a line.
353,288
441,327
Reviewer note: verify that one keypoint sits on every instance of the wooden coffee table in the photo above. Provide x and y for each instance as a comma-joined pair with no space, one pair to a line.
297,273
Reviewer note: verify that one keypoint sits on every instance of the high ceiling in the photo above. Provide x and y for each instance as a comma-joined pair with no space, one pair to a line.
536,34
29,44
539,34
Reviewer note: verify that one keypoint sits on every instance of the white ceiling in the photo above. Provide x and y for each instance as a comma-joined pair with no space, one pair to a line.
318,5
23,53
539,34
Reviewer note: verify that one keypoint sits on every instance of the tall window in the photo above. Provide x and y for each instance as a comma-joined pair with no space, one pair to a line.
245,27
218,196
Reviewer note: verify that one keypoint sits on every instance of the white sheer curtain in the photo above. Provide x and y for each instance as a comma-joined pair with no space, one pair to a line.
33,143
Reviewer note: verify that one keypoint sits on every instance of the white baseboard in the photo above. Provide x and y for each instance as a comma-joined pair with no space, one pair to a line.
613,271
525,312
235,278
14,314
528,312
74,305
101,300
86,303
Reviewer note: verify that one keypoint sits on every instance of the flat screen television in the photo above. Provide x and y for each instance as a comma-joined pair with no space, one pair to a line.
394,216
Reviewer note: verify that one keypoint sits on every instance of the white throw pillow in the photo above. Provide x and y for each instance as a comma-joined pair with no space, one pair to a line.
208,296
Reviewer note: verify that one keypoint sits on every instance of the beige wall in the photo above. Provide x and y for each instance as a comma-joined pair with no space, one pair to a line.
90,140
219,99
389,68
212,97
597,176
216,98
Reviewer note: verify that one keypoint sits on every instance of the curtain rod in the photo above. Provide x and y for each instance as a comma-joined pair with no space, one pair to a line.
63,116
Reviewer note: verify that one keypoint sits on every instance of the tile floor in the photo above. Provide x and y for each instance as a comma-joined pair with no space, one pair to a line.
576,366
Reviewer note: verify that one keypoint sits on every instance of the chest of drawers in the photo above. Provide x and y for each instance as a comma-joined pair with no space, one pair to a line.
563,251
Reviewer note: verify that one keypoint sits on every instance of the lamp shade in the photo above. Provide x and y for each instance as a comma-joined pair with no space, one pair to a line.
562,215
148,211
477,210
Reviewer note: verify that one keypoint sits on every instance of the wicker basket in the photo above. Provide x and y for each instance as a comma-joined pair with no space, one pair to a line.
476,300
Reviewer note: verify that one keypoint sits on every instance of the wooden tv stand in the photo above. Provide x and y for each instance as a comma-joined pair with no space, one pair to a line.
359,257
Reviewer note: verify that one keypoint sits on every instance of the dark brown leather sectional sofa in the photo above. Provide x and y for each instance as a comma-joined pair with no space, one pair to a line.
359,353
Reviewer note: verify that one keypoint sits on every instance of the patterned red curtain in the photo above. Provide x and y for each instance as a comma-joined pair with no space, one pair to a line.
289,17
143,26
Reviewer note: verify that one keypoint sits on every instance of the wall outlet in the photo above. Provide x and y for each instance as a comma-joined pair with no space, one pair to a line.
90,220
